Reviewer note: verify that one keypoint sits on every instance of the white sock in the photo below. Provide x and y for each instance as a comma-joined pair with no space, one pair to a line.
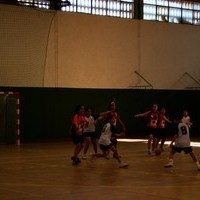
171,161
197,163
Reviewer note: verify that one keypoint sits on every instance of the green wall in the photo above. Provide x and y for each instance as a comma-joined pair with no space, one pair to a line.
46,112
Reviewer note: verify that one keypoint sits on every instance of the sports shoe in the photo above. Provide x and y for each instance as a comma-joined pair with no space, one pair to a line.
122,164
198,165
78,160
162,149
84,157
170,164
107,156
92,156
75,161
150,153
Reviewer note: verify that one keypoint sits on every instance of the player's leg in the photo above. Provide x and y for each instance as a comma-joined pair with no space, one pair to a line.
171,159
193,156
94,144
116,156
78,141
149,144
162,144
86,146
114,142
77,150
104,149
154,132
163,139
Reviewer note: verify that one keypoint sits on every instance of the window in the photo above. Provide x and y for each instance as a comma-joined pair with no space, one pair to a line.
35,3
149,10
174,11
115,8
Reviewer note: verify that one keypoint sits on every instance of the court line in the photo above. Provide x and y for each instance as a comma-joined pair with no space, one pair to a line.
20,192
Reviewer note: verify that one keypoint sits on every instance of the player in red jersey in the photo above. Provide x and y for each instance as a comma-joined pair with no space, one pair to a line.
78,122
112,111
152,116
160,134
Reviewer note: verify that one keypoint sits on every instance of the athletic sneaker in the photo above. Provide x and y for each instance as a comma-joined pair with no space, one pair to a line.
150,153
198,165
107,156
92,156
84,157
170,164
162,149
75,161
122,164
78,160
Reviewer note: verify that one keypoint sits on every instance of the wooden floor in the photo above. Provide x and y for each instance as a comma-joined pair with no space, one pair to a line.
44,171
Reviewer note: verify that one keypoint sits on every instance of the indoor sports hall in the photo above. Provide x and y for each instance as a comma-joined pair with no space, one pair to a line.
57,54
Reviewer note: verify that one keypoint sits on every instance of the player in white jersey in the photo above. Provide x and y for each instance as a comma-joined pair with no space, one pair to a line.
181,143
106,143
89,132
186,118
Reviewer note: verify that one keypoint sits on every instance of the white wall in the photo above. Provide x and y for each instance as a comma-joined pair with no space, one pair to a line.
105,52
48,49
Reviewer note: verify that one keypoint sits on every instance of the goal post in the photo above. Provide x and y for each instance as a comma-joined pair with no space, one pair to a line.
10,117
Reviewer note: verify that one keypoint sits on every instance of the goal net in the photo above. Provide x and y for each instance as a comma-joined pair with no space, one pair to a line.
9,118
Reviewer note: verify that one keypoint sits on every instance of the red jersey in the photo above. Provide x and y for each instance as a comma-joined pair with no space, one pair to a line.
78,123
161,120
152,119
115,115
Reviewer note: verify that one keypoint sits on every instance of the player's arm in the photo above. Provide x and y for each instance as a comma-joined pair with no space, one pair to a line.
79,124
167,120
142,114
85,123
99,118
189,123
75,121
121,123
173,140
104,114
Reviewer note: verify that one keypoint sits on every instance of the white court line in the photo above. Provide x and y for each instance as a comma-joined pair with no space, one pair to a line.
194,144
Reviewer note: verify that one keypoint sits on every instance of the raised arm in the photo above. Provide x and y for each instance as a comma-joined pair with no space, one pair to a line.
142,114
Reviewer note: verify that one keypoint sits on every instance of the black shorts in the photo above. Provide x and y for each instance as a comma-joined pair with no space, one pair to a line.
160,133
151,131
180,149
77,139
92,135
114,141
106,147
